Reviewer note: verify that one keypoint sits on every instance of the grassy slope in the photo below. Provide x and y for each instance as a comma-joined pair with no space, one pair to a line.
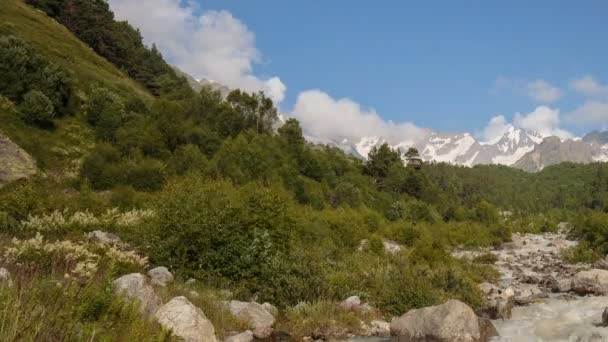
57,149
59,45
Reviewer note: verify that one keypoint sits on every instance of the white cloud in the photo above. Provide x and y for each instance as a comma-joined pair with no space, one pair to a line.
543,92
214,45
539,90
589,86
496,128
543,120
590,113
322,115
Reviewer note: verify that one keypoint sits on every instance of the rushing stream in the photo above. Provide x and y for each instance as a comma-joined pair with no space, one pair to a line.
556,319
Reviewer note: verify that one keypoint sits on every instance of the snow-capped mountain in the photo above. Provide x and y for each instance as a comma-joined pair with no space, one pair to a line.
517,147
455,148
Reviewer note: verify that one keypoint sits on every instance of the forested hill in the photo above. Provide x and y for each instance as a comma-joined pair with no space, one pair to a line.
230,200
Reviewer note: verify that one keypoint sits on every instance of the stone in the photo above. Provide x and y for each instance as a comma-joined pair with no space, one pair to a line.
594,281
271,309
15,163
260,321
601,264
451,321
135,286
186,321
564,285
351,303
487,288
5,277
379,328
605,317
160,276
103,237
246,336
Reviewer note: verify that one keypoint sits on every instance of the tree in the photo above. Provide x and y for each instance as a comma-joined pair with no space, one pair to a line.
105,111
413,158
258,110
36,108
379,162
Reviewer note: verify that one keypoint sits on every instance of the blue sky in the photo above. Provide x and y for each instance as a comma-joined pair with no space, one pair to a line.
445,65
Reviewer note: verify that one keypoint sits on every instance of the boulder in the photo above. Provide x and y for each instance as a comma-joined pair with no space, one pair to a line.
246,336
5,277
260,321
380,328
135,286
497,307
186,321
563,285
271,309
15,163
452,321
601,264
160,276
594,281
103,237
351,303
487,288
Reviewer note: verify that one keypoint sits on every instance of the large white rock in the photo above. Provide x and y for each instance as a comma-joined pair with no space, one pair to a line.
160,276
452,321
135,286
593,281
351,303
186,321
260,321
246,336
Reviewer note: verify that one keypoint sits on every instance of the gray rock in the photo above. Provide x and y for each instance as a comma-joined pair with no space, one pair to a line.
380,328
246,336
5,277
186,321
594,281
351,303
271,309
601,264
160,276
260,321
135,286
15,163
103,237
605,317
451,321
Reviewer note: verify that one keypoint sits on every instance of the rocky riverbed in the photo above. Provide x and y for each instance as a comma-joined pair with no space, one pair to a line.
541,298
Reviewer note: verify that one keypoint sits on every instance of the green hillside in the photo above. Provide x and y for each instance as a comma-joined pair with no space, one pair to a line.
59,45
207,186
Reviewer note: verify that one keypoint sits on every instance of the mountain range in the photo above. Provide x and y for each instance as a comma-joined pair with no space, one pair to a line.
524,149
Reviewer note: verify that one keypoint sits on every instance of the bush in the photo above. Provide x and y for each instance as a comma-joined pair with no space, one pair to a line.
36,108
105,111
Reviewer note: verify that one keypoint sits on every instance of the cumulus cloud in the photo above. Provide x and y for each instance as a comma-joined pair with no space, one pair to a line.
543,91
587,85
496,128
539,90
590,113
594,111
214,45
322,115
543,120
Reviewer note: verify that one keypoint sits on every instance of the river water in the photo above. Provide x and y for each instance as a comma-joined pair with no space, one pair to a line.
556,319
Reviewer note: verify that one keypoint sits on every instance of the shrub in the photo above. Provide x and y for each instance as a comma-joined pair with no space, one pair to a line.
36,108
486,258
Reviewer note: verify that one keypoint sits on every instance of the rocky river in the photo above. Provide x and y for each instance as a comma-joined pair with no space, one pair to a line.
541,298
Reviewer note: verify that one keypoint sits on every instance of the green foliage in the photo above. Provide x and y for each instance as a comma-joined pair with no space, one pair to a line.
36,108
105,111
120,43
379,162
24,72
